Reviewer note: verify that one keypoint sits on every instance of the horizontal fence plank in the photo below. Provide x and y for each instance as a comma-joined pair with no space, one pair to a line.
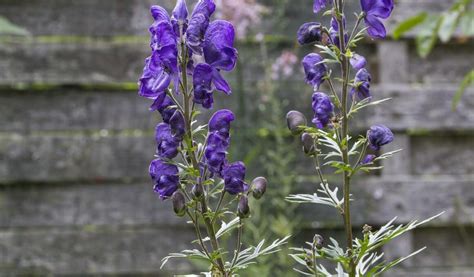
378,200
91,251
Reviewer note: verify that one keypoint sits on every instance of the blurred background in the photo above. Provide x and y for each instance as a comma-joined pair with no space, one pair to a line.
76,139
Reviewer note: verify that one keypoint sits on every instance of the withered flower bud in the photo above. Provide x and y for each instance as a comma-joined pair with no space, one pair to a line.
294,120
243,209
308,144
259,186
179,203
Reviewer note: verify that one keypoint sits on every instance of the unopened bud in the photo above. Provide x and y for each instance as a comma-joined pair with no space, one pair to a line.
308,144
318,241
295,119
243,209
197,191
259,185
179,203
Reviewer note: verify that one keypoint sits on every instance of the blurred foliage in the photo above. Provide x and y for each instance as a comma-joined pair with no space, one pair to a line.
432,27
8,28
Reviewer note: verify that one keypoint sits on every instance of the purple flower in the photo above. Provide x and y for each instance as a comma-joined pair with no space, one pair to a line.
167,144
361,84
158,72
358,62
163,104
234,175
334,32
159,14
216,152
319,5
198,24
375,10
314,69
220,122
368,159
177,124
180,15
165,178
379,135
322,108
202,83
309,33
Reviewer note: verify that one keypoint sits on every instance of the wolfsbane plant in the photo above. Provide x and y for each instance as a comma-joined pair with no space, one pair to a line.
344,154
185,67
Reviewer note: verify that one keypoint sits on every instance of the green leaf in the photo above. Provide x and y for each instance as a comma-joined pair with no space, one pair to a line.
466,23
428,35
8,28
448,25
467,81
409,24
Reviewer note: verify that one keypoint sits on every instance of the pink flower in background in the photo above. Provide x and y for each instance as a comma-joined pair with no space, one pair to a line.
244,14
284,65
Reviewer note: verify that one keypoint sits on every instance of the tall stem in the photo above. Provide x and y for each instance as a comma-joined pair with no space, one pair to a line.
192,155
345,157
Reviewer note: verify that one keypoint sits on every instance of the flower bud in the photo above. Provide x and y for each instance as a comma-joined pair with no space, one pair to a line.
179,203
259,186
318,241
243,209
294,119
308,144
197,191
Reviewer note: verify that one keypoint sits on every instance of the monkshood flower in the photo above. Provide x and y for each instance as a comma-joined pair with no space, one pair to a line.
165,178
314,69
379,135
163,104
334,32
167,144
361,84
323,109
219,54
177,125
318,5
220,122
234,175
368,159
198,24
309,32
358,62
216,152
180,17
374,11
160,68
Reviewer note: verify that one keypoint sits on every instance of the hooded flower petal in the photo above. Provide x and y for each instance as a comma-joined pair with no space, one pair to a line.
159,14
202,83
155,79
216,152
234,175
177,125
358,62
375,10
218,45
198,24
379,135
165,178
167,144
361,84
220,122
180,17
163,105
319,5
322,108
314,69
309,33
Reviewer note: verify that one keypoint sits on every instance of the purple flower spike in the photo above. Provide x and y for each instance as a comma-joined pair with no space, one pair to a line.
234,175
202,83
314,69
375,10
323,109
361,84
358,62
216,152
198,24
309,33
379,135
167,144
319,5
368,159
177,125
165,178
220,122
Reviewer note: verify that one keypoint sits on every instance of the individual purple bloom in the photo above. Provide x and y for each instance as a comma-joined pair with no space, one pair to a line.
216,152
309,33
159,14
368,159
319,5
198,24
165,178
234,175
220,122
167,144
323,109
315,70
379,135
375,10
177,124
334,32
179,18
358,62
202,83
361,84
163,104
